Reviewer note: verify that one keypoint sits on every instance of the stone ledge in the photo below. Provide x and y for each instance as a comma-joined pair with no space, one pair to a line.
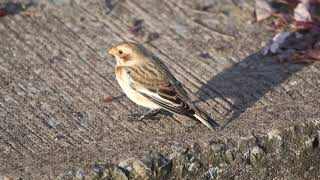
284,153
291,152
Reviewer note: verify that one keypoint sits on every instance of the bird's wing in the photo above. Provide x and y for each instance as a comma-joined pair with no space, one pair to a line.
157,86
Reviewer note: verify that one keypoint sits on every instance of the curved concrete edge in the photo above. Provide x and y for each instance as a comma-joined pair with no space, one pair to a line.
288,152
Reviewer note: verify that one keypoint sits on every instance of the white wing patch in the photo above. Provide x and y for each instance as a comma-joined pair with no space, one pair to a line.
155,95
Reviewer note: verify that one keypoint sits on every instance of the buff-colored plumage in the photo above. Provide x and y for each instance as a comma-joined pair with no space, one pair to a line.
149,83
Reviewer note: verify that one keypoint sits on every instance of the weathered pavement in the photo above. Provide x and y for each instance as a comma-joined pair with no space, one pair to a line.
55,75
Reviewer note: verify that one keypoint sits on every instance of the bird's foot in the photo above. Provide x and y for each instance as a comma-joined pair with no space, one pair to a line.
147,115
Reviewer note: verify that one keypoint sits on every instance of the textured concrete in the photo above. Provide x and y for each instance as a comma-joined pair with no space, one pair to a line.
55,77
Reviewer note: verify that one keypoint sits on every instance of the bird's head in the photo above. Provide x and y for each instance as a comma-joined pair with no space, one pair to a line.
127,53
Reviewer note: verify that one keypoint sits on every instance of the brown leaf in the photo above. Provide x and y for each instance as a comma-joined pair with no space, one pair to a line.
299,25
314,53
307,56
108,99
299,57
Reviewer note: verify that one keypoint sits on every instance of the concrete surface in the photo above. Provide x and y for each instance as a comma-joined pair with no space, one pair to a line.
55,77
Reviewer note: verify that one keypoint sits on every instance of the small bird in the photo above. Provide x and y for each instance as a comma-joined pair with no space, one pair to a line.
149,83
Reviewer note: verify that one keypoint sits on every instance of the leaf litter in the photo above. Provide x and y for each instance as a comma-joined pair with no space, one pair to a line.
299,24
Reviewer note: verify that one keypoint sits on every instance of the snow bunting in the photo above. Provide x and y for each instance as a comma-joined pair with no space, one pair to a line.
149,83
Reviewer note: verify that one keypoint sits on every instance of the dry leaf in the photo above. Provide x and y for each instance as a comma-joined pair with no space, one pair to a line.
300,57
314,54
263,10
277,40
309,55
28,13
108,99
305,26
301,12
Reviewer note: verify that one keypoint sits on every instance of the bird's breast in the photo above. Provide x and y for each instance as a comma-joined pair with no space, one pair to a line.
124,81
118,71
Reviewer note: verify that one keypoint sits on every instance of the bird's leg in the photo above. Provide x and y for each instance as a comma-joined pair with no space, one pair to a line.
150,113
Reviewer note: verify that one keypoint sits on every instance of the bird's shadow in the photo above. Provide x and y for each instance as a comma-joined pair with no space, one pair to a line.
247,81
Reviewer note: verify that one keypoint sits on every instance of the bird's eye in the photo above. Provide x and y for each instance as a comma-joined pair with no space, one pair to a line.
120,52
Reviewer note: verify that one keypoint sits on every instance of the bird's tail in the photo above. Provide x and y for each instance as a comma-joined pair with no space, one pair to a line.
206,120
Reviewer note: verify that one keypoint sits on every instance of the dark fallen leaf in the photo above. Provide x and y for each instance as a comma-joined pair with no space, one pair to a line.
3,12
314,53
300,25
204,7
135,27
300,57
149,36
205,55
292,3
307,56
109,6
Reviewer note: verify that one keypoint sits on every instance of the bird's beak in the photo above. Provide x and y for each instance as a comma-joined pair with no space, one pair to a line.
113,51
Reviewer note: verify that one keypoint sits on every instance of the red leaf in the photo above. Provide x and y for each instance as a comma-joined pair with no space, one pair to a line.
300,25
3,12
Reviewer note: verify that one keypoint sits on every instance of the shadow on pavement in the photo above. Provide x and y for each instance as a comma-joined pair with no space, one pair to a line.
247,81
